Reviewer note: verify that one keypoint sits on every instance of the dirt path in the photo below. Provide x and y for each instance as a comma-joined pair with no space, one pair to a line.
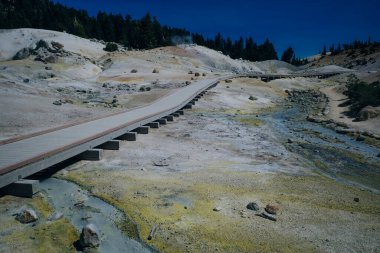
336,112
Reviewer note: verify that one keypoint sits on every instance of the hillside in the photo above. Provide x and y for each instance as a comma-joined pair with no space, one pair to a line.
59,77
365,62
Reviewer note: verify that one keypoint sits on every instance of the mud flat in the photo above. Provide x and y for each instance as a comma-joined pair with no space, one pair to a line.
194,178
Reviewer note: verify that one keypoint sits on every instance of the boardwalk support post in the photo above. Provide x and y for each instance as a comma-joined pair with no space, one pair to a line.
22,188
130,136
142,130
92,155
110,145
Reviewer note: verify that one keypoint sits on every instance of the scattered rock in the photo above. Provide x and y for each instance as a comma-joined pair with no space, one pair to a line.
89,236
51,59
155,71
48,68
227,87
26,80
252,98
55,216
253,206
134,71
197,74
42,44
217,209
187,82
228,81
190,72
243,214
356,199
204,74
272,209
57,102
56,45
161,163
22,54
27,216
290,141
368,112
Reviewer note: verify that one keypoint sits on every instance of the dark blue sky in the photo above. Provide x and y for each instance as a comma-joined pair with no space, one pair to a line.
306,25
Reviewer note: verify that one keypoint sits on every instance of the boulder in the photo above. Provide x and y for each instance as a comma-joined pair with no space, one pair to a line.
272,209
368,112
51,59
27,216
22,54
56,45
253,206
90,236
42,44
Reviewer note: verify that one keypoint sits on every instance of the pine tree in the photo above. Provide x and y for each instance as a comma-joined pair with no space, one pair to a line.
324,51
288,55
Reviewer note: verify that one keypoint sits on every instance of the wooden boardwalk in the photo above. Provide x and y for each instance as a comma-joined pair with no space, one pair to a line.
26,156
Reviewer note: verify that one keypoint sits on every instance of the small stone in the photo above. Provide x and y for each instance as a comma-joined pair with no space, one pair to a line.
48,68
227,87
253,206
89,236
197,74
252,98
378,155
217,209
57,102
26,80
27,216
356,199
155,71
228,81
55,216
272,209
134,71
290,141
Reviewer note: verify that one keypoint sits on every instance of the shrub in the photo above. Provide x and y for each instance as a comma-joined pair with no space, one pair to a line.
361,94
111,47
